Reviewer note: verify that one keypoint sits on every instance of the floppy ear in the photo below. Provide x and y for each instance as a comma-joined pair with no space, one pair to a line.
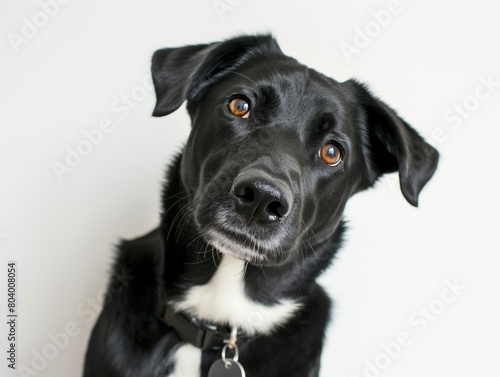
390,145
183,73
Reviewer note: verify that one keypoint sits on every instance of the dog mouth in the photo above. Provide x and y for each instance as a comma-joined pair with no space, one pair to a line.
239,245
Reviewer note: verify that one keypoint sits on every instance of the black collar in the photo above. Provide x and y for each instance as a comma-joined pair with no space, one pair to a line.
203,335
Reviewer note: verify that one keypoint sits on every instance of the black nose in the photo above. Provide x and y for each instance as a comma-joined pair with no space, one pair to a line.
259,200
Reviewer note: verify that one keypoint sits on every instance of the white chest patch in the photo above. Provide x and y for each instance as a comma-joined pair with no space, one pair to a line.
223,300
187,360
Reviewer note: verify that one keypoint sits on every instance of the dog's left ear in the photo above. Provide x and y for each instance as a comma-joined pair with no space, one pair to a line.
390,144
185,72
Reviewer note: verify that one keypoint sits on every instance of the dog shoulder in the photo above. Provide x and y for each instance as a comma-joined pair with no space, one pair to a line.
136,272
128,323
140,255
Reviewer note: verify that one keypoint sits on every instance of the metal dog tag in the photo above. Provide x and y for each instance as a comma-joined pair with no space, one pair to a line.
219,369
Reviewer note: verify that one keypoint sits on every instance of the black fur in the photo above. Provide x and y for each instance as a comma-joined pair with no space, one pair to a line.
294,111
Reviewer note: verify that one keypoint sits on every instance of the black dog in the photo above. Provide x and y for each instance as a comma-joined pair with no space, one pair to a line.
252,214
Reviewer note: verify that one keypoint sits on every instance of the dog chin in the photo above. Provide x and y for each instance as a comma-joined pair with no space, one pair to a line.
245,249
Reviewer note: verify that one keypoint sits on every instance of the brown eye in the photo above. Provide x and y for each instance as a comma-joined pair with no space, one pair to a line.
331,154
239,107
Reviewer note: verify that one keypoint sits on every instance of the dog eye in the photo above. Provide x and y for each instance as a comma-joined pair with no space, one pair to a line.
240,107
331,154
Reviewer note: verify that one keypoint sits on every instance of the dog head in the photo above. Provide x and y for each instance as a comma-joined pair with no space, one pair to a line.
276,148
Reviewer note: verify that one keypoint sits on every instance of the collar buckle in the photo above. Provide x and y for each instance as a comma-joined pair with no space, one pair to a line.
203,335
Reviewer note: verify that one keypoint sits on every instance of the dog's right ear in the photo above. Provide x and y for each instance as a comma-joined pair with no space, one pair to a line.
183,73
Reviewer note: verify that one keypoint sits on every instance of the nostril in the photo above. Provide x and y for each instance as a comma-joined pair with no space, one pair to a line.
276,209
246,194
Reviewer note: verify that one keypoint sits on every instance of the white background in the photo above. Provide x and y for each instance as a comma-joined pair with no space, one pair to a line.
428,57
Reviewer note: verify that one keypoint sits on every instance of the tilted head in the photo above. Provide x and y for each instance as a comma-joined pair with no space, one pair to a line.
276,149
